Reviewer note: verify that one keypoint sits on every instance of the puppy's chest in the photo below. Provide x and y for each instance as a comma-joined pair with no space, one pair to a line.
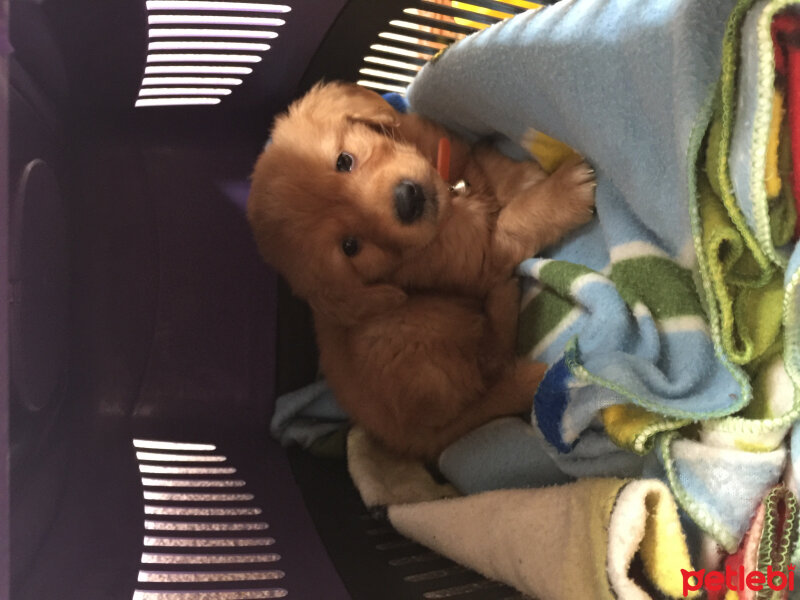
457,261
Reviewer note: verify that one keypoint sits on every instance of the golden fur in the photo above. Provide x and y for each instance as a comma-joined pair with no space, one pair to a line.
416,329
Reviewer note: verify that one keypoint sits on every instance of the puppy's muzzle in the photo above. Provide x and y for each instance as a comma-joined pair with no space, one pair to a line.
409,201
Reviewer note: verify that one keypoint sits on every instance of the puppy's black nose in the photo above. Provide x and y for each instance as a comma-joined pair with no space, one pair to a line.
409,201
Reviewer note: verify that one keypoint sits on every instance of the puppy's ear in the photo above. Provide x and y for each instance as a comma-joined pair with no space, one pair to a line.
362,105
350,101
354,305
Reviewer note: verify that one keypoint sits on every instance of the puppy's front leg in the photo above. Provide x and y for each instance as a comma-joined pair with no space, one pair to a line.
540,215
506,177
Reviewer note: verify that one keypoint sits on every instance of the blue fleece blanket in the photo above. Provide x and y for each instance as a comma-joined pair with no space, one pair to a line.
629,84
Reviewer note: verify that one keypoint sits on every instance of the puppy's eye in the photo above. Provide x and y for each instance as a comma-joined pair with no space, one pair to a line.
345,162
350,246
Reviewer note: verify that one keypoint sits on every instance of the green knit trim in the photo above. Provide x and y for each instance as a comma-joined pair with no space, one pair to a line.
778,537
791,328
706,279
791,362
645,439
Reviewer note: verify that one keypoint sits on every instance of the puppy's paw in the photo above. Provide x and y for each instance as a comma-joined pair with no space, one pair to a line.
576,182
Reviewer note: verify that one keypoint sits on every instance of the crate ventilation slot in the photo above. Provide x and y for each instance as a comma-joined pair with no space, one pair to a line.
205,538
428,575
404,47
199,50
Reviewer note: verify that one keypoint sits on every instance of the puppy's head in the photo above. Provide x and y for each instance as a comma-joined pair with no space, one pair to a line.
337,203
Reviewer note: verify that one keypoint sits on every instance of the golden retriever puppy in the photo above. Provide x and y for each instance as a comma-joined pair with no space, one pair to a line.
411,283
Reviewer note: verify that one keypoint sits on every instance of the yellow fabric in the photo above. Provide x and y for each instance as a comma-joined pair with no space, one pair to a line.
633,428
772,176
548,151
663,548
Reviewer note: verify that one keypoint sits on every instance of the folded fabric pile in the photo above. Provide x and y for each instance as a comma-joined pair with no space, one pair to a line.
671,323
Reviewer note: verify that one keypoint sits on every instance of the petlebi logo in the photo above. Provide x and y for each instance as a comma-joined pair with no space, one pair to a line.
737,580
